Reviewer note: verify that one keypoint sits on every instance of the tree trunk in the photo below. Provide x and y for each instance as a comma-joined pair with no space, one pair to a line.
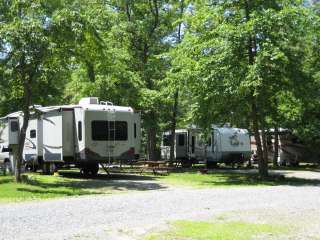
264,145
276,146
252,49
176,95
152,143
263,170
174,124
22,136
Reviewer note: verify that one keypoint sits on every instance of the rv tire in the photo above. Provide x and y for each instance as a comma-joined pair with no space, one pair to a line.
94,169
90,170
48,168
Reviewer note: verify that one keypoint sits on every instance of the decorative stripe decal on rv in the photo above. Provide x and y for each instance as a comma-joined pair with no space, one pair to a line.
54,147
88,154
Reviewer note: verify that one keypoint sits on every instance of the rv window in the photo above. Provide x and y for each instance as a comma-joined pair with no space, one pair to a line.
193,143
181,139
80,131
33,133
135,130
166,140
14,126
104,130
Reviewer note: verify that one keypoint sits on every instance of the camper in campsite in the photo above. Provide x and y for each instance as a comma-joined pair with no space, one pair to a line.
86,135
291,149
224,145
189,146
228,145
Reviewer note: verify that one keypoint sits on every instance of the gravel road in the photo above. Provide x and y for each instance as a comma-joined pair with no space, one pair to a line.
130,215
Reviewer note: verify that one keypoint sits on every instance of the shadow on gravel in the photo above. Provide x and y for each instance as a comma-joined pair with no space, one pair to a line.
101,183
235,179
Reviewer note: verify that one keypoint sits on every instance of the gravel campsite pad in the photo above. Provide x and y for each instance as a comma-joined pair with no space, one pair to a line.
136,214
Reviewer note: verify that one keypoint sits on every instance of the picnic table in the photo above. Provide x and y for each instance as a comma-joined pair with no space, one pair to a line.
156,166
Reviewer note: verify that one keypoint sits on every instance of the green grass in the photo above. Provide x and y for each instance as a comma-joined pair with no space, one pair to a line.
70,183
40,187
231,179
190,230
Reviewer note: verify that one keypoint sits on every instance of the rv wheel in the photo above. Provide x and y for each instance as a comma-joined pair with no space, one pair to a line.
84,172
94,169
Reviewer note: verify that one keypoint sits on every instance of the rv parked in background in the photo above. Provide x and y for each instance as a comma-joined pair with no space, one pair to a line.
228,145
291,149
189,146
224,145
86,134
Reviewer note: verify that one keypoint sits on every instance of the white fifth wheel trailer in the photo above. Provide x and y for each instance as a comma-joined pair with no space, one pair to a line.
228,145
86,134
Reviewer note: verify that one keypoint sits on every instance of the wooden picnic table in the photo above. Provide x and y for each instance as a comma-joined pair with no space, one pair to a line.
155,166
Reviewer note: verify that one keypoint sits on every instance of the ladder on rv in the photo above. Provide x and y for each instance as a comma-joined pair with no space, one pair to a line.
111,134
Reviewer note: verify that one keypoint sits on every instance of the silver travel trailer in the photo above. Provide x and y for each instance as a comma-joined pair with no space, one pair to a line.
224,145
228,145
189,145
86,134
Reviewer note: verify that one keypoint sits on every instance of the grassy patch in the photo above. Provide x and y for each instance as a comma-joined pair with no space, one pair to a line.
190,230
232,179
40,187
71,183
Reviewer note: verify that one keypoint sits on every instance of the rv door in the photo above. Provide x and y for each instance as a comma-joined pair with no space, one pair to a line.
181,145
13,131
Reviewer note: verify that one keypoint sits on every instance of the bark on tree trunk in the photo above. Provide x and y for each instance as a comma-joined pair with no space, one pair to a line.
176,96
276,146
173,125
252,49
263,171
264,145
152,144
22,136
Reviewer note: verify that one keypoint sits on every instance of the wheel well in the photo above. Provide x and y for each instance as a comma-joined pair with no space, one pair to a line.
6,160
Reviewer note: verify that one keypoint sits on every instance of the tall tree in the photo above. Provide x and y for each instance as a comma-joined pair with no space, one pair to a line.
146,25
242,54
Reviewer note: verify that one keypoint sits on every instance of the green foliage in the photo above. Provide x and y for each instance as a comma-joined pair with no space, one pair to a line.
141,53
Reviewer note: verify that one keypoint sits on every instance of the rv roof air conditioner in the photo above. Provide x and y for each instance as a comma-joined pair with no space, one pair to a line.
89,100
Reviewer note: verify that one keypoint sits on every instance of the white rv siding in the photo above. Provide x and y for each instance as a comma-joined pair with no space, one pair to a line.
31,148
68,133
52,136
79,122
111,148
226,143
137,133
